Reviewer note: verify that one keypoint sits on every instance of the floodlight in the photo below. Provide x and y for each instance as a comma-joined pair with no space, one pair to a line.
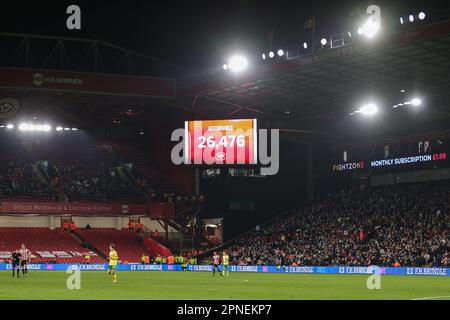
422,15
225,67
305,45
263,56
66,129
9,126
360,31
411,18
280,52
74,129
401,20
323,41
369,109
237,63
59,128
349,34
369,29
271,54
416,102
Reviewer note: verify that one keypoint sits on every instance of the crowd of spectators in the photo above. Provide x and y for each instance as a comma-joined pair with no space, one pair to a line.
103,184
17,181
402,225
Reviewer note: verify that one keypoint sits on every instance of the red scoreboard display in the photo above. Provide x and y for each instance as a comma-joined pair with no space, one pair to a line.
221,141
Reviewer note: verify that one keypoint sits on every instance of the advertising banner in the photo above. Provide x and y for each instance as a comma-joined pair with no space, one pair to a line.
90,83
412,271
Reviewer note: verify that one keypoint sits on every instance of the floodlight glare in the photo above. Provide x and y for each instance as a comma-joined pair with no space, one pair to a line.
411,18
66,129
271,54
225,67
46,128
59,128
422,15
237,63
280,52
9,126
416,102
360,31
369,29
369,109
323,41
74,129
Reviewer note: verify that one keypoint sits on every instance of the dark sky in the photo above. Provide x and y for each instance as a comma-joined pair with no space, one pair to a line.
193,33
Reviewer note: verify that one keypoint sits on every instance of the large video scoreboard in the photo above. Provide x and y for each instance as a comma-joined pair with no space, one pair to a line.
221,141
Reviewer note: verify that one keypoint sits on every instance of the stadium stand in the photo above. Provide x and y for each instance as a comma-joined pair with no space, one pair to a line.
46,245
407,225
128,243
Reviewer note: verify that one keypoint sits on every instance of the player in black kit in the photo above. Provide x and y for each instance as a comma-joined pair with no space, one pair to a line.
16,262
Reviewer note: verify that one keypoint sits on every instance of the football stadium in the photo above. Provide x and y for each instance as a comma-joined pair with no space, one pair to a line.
229,150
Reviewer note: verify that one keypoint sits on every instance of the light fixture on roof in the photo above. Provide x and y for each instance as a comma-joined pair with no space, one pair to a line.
323,42
369,109
411,18
401,20
305,45
59,128
238,63
271,54
263,56
416,102
280,52
9,126
225,67
422,15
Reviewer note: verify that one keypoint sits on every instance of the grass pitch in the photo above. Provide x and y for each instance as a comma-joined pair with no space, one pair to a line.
201,285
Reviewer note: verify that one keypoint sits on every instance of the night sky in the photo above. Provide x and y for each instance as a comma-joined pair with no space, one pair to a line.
194,34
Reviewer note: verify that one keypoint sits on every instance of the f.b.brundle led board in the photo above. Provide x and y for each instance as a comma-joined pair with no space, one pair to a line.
221,141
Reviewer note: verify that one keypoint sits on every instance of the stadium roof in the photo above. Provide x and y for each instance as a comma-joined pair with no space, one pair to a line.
316,92
312,93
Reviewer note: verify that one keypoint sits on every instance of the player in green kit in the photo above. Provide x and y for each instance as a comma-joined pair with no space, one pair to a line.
225,263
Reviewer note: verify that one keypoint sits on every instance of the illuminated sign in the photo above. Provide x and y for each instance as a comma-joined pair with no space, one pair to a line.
391,162
408,160
221,141
349,166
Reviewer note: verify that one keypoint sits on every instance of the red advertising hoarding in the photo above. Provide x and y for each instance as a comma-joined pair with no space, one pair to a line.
90,83
153,209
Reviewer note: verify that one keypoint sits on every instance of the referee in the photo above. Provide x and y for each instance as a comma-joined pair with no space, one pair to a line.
16,263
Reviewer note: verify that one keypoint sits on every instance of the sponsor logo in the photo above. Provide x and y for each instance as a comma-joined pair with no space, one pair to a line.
8,107
38,79
221,156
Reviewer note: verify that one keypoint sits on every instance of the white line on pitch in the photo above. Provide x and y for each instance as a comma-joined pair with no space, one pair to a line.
429,298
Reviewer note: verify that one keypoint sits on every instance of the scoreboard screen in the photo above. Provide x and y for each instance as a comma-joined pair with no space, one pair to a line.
221,141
